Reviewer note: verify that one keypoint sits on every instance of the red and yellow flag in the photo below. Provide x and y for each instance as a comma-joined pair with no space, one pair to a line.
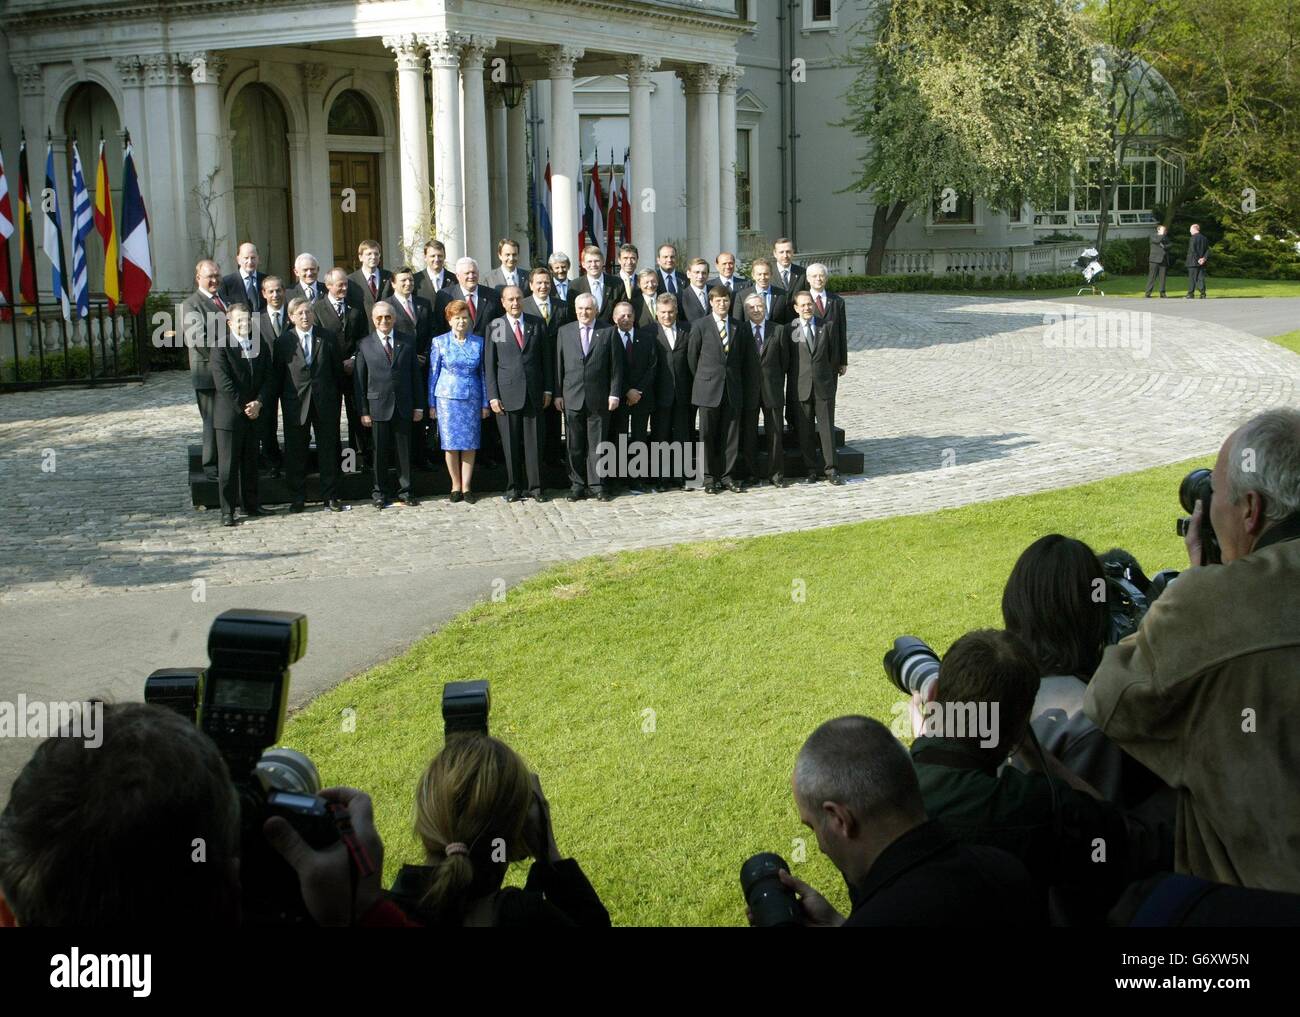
26,248
106,224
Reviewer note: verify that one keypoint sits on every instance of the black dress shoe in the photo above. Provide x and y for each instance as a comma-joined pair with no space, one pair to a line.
603,495
512,496
574,495
379,506
712,488
408,502
734,487
297,507
470,498
539,497
259,511
456,496
228,521
835,478
334,506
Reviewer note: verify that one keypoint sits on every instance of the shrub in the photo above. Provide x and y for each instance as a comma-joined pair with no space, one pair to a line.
921,283
76,366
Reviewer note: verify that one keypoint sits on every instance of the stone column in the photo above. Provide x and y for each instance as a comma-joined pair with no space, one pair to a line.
710,183
314,225
412,146
478,216
564,153
448,189
517,177
215,196
730,238
641,193
497,155
161,158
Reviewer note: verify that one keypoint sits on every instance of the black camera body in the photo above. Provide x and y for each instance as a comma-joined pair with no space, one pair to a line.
1196,486
240,701
771,902
465,708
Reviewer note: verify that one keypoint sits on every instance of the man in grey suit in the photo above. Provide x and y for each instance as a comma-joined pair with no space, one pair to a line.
555,313
764,389
309,378
306,269
1158,259
518,364
589,380
509,272
819,360
720,361
203,327
388,395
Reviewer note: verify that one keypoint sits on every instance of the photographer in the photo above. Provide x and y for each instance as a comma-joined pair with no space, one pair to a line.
1070,840
91,834
477,810
855,788
1206,692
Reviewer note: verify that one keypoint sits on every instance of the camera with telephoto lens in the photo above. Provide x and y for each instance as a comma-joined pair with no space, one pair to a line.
465,708
771,901
912,666
1129,593
239,701
1196,487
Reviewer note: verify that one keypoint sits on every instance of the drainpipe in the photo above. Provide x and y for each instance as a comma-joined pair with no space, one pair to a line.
783,80
793,135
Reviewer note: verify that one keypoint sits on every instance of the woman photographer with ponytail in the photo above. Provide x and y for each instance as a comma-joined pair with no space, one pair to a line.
477,809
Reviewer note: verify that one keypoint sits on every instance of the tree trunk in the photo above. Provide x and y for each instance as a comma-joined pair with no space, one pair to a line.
883,221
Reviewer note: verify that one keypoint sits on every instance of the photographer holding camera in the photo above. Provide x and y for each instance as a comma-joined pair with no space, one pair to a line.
855,788
1206,692
477,810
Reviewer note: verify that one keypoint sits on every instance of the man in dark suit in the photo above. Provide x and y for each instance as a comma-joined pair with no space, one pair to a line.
345,324
786,274
640,368
720,361
203,324
559,265
589,380
1158,259
436,277
483,303
243,376
244,286
731,281
272,320
626,278
827,307
389,398
818,362
371,281
776,301
520,369
509,272
306,270
1198,255
765,389
673,419
645,297
415,319
668,277
309,376
554,314
605,288
695,300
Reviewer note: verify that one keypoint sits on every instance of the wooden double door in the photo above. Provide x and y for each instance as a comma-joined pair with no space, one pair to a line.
354,197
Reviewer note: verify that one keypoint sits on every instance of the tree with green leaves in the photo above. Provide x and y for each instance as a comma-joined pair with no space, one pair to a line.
992,98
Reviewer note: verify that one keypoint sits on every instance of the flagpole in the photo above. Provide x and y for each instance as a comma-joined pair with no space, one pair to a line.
9,282
36,278
63,268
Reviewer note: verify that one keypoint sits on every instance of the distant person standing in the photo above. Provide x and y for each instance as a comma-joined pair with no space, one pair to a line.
1158,259
1198,253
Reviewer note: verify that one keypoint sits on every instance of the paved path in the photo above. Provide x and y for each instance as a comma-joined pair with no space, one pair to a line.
952,400
1262,316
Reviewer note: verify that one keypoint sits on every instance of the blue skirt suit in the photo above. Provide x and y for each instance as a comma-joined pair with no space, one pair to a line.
457,388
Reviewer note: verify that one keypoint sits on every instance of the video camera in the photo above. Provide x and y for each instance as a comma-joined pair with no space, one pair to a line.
240,701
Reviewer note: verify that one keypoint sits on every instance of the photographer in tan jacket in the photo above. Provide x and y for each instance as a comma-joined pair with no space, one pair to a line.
1206,693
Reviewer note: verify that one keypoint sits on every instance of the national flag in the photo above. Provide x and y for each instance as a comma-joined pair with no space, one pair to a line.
625,189
53,243
137,268
545,212
6,231
595,217
83,224
107,227
611,216
26,241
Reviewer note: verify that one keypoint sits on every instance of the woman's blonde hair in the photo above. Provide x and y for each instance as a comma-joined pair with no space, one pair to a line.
475,792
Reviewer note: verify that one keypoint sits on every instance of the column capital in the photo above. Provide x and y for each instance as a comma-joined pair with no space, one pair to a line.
444,49
700,78
313,76
560,60
29,76
130,70
157,66
409,50
639,68
728,77
205,66
473,50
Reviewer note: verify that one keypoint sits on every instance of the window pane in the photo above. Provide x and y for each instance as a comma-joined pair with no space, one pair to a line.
744,218
821,10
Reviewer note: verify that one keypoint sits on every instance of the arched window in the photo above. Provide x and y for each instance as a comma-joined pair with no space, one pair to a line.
263,205
352,114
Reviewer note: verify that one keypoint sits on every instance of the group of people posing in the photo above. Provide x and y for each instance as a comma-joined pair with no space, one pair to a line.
564,367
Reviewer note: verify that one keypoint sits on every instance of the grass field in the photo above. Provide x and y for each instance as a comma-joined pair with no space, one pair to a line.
1135,286
662,695
1291,340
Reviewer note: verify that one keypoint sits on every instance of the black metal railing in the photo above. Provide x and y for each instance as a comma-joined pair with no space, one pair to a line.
43,349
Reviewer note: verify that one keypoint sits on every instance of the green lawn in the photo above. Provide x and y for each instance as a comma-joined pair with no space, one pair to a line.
661,808
1135,286
1291,340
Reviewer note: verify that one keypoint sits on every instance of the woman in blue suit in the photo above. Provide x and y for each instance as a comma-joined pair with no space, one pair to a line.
458,395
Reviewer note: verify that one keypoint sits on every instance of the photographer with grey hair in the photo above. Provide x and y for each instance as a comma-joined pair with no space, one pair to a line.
855,788
1205,693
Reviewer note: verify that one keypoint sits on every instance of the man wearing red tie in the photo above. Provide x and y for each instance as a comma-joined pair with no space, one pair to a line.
519,365
827,306
370,282
484,307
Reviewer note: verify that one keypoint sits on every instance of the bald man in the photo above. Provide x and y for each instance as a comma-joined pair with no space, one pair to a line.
202,325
